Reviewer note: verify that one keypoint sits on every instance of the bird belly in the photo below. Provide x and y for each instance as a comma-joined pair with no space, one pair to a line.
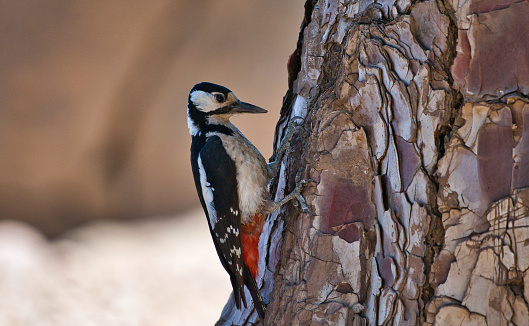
252,188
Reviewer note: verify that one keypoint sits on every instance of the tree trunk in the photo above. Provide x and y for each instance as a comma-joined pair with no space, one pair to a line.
417,133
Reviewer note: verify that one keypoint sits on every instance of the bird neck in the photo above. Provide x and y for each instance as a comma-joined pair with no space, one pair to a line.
221,124
202,124
220,120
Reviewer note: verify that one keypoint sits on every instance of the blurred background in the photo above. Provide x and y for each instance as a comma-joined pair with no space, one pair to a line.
98,213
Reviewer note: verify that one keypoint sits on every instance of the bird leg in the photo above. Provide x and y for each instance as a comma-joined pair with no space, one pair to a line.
292,127
296,194
273,168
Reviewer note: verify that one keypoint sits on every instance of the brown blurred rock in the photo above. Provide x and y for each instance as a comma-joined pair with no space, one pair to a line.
93,99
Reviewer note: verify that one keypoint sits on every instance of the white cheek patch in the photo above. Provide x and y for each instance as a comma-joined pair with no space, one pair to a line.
207,193
204,102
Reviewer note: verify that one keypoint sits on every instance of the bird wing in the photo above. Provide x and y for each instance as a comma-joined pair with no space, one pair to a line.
220,200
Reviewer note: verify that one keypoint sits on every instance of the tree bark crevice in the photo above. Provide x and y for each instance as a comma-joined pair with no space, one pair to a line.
421,170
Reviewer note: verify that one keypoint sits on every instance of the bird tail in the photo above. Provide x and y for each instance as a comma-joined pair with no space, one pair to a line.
239,295
255,293
238,292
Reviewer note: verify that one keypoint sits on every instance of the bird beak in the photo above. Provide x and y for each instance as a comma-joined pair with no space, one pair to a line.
243,107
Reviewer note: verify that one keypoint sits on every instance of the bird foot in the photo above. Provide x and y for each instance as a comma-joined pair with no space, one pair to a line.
295,194
292,127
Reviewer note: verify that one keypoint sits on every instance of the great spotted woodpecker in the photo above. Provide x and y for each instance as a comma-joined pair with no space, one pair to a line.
232,177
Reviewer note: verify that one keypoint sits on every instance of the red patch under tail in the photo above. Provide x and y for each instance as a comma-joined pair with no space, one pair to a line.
251,232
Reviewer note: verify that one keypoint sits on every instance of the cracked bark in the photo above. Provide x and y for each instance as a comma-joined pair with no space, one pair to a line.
416,132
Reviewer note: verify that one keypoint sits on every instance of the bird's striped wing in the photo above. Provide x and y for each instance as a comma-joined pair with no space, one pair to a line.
218,188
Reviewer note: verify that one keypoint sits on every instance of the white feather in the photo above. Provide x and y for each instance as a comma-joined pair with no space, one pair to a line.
207,193
193,128
236,251
204,101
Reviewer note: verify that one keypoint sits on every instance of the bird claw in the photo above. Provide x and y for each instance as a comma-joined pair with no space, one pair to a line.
297,192
304,205
301,183
294,194
292,127
292,121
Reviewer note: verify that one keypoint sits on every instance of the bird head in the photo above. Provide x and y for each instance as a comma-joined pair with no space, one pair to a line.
210,103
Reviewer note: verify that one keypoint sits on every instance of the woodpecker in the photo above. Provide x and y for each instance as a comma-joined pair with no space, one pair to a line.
231,178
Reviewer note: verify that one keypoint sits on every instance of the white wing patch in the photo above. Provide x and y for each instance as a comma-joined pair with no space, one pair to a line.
222,240
207,193
233,230
236,251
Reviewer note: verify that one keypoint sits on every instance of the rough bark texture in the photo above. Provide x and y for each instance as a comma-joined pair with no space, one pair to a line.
416,132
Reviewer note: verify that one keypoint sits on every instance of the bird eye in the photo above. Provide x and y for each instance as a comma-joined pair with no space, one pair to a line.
219,97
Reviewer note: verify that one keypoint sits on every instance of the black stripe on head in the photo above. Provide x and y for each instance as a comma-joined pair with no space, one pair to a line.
210,88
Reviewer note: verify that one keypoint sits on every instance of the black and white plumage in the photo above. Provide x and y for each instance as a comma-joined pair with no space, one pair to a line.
231,178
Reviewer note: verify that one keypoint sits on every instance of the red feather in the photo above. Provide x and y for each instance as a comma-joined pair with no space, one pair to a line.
250,242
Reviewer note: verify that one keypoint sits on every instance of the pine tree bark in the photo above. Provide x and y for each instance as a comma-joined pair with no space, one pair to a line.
417,134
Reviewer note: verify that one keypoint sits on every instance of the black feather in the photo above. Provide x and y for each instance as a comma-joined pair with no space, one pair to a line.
221,175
